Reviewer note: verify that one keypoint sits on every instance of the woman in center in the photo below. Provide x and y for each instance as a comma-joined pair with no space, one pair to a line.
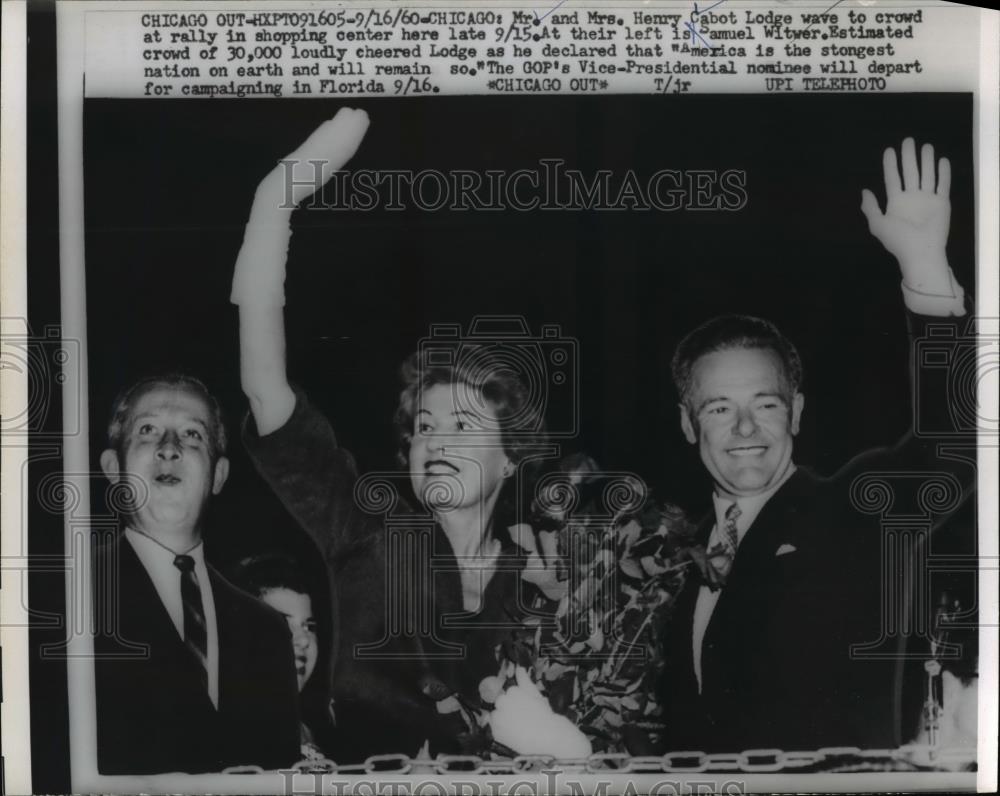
423,592
463,430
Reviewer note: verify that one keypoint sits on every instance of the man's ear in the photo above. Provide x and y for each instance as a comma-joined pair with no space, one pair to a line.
110,465
798,402
687,426
509,468
220,474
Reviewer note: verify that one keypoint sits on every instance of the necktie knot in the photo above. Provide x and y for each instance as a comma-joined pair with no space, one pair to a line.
184,563
721,556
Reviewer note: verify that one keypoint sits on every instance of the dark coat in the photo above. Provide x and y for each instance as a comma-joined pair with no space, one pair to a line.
778,670
154,715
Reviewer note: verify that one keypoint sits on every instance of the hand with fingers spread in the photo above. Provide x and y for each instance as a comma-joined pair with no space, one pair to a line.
914,226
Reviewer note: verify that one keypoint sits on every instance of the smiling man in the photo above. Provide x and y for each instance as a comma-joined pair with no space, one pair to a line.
760,650
741,403
192,674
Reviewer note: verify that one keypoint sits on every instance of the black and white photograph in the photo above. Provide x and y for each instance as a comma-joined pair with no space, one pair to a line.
560,439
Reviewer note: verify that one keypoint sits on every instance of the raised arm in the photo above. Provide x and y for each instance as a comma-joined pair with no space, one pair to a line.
259,276
914,228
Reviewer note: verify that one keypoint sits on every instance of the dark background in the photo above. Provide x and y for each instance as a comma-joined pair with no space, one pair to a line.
169,185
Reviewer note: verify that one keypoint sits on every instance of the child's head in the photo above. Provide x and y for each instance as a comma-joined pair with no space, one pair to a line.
278,581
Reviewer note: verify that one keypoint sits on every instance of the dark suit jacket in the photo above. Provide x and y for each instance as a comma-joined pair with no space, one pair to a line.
153,714
777,670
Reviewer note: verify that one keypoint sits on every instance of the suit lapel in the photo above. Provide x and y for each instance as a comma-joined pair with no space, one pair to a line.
775,525
143,617
141,611
233,635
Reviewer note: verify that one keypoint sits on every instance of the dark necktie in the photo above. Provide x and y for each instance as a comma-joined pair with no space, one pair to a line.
195,632
732,535
724,552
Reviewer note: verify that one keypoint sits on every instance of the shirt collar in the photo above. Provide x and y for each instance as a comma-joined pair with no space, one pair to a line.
150,549
749,506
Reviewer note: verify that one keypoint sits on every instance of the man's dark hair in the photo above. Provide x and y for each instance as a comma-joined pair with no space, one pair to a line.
122,408
727,332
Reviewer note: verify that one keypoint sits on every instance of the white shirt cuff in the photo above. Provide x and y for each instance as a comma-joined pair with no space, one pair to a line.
934,304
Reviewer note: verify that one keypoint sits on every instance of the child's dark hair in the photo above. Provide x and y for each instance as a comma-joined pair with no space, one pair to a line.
259,574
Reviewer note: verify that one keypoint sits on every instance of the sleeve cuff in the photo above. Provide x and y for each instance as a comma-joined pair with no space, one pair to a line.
933,304
298,420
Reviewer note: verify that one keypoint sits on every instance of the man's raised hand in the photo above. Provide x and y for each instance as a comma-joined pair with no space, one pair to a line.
914,226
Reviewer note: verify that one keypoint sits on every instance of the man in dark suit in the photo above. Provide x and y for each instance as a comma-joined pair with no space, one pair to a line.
760,652
192,674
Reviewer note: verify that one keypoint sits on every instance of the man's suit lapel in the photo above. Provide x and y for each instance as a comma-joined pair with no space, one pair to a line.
161,693
233,638
775,525
143,617
141,613
258,698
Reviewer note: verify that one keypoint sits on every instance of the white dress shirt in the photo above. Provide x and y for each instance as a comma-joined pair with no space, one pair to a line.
707,598
159,563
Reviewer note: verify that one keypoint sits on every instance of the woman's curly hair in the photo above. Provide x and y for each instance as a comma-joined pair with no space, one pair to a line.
488,379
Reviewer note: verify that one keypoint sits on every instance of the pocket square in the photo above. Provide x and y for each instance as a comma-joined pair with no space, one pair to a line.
785,549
